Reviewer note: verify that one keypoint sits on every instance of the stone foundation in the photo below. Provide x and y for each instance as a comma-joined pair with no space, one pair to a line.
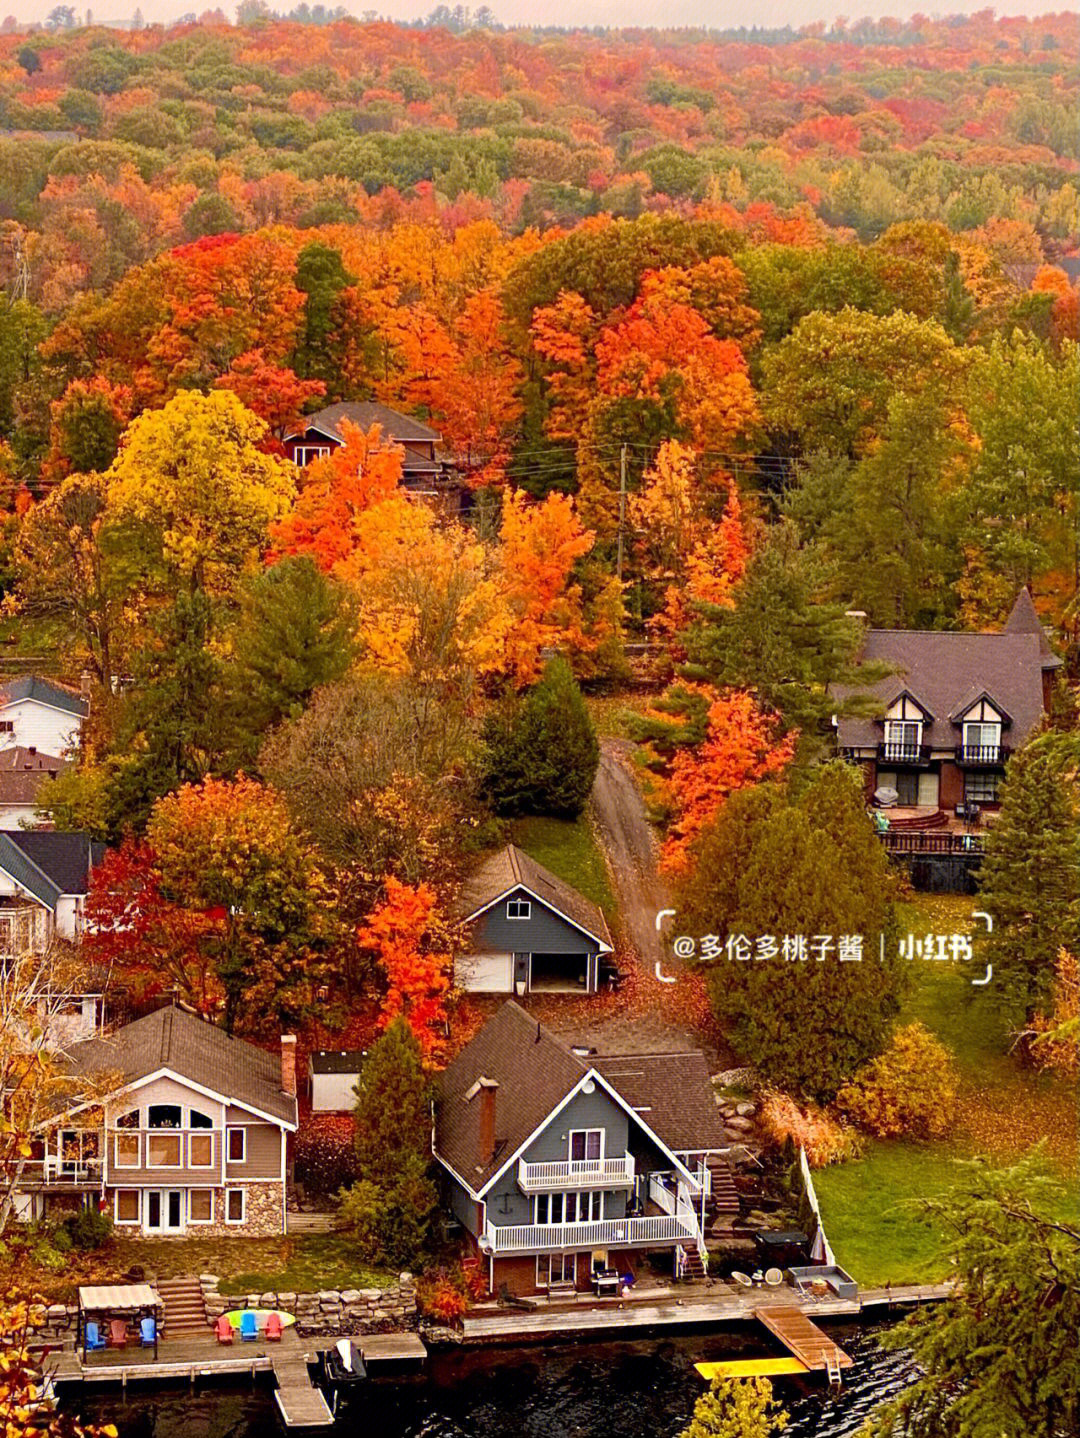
331,1311
262,1214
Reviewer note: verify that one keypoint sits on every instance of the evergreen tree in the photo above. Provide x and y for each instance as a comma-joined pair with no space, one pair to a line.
541,753
325,330
294,633
774,864
736,1408
782,643
999,1355
391,1209
1030,879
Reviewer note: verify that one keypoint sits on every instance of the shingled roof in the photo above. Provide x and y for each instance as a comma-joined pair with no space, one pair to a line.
535,1071
45,691
511,868
193,1049
49,864
23,771
945,671
364,414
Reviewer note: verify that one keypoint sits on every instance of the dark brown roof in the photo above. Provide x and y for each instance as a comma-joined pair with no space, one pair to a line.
1024,619
194,1049
942,670
505,870
673,1094
364,414
535,1071
23,771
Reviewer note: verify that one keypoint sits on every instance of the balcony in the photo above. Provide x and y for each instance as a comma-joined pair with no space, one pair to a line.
617,1172
900,753
984,755
63,1173
659,1230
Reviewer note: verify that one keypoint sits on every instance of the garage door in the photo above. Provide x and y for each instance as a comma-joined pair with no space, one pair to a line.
486,973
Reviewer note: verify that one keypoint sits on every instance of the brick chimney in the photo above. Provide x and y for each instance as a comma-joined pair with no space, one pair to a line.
288,1064
486,1090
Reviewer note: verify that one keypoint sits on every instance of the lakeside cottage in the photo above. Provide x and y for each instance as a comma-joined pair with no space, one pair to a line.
528,931
562,1163
952,711
40,715
189,1136
44,881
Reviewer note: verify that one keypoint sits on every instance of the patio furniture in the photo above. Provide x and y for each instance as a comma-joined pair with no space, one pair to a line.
224,1329
773,1278
742,1279
249,1327
118,1333
607,1283
147,1332
274,1328
109,1309
94,1341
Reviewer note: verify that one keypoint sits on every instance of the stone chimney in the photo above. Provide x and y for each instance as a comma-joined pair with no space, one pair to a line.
288,1064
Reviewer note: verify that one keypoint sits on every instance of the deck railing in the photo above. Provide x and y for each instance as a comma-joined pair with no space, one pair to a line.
612,1232
902,753
615,1172
992,754
928,841
56,1172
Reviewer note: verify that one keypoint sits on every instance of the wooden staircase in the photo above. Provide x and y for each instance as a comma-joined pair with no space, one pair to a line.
723,1195
915,823
691,1266
185,1311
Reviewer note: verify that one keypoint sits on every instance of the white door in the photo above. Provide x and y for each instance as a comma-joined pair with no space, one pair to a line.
163,1210
928,788
485,973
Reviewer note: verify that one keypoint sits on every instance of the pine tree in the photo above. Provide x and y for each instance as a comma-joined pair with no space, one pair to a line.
541,753
1030,880
777,865
736,1408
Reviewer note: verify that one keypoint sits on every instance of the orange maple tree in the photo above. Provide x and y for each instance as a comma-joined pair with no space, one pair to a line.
742,746
408,938
540,544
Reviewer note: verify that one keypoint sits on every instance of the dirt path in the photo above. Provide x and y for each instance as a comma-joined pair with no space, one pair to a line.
630,846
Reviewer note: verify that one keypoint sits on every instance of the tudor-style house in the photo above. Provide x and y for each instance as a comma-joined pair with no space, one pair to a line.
528,931
953,709
561,1163
181,1129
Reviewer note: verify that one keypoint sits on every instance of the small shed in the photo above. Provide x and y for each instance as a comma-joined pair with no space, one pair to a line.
128,1301
334,1074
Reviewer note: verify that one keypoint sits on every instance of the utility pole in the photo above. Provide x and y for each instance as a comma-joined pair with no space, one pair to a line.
622,510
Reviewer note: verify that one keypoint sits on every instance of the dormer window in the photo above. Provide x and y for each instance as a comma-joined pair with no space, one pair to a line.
518,909
982,742
903,739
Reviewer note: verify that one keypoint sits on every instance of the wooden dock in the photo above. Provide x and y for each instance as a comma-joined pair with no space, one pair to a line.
384,1351
803,1339
299,1402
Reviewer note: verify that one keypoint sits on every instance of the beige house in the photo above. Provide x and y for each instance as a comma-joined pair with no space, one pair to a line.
189,1137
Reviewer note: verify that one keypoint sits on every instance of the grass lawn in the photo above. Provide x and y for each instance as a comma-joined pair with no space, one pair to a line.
304,1263
1003,1109
569,848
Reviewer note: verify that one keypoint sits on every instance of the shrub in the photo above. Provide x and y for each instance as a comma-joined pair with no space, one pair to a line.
325,1156
908,1091
1052,1039
825,1139
441,1298
89,1229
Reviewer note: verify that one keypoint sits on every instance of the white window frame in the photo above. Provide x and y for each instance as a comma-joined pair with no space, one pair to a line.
896,731
243,1205
127,1222
586,1132
989,778
169,1132
126,1133
585,1199
307,453
190,1216
519,904
981,725
543,1268
194,1133
236,1128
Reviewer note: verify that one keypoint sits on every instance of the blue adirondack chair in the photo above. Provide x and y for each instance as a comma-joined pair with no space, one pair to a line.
147,1332
94,1340
249,1326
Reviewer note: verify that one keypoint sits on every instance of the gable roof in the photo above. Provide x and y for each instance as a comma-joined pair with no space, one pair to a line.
193,1049
365,413
1024,619
23,771
536,1072
44,691
943,667
510,868
49,863
672,1092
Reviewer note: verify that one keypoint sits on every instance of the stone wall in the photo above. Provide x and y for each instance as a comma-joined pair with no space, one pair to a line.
262,1214
331,1311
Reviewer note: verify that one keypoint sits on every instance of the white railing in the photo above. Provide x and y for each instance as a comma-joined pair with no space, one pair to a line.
544,1237
678,1201
660,1194
615,1172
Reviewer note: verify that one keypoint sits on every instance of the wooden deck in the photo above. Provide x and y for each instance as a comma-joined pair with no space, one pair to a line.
803,1339
391,1350
299,1402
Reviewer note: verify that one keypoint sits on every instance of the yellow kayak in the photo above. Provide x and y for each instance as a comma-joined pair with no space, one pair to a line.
751,1368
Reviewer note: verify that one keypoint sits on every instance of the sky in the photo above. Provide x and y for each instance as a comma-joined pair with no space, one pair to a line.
719,14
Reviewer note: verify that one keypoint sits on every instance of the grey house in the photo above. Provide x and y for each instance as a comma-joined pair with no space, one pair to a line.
528,931
561,1163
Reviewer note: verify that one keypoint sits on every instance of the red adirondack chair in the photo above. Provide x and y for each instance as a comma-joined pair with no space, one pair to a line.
224,1330
273,1328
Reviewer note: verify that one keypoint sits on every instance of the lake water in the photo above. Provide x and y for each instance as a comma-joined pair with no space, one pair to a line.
611,1390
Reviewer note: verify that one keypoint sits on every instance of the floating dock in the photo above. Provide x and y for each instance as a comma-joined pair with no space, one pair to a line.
299,1402
805,1341
752,1368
